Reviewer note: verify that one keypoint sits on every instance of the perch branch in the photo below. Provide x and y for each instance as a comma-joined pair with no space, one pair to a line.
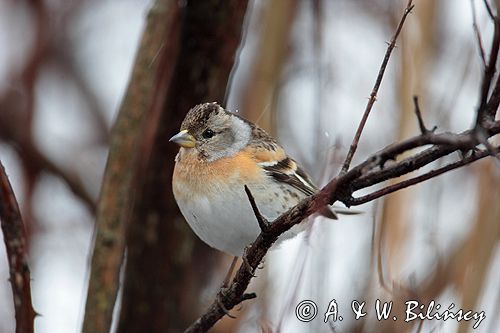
341,188
370,172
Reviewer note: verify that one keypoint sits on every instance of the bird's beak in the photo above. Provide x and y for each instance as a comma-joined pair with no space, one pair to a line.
184,139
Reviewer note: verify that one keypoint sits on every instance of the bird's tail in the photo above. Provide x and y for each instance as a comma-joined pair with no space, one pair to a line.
332,212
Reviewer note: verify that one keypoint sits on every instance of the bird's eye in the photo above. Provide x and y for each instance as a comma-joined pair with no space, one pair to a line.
208,133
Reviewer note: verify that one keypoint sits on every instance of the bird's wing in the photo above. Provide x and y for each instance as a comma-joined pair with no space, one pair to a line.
273,159
288,172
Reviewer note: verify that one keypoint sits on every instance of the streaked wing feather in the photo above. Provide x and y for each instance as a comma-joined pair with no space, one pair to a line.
272,158
288,172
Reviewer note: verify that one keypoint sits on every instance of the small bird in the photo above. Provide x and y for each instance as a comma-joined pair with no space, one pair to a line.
221,152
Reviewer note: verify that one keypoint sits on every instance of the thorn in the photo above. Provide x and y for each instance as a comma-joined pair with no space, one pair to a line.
421,124
248,296
225,283
263,223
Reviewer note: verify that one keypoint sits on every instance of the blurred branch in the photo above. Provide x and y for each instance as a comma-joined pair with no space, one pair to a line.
479,248
373,95
259,94
11,127
66,64
477,33
117,190
17,106
15,243
487,112
416,52
489,10
368,173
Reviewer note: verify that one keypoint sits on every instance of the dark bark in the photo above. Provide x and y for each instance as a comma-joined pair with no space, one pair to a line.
166,266
117,191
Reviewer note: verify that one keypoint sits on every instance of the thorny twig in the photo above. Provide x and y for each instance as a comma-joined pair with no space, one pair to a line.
418,179
368,173
421,123
373,95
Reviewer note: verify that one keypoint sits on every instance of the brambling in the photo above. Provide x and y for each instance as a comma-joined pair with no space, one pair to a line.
221,152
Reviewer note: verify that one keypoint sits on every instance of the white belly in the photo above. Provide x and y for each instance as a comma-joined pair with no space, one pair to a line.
226,220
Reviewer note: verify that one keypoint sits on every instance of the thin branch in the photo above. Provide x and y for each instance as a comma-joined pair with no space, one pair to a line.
10,131
372,171
478,33
490,108
373,95
489,73
15,242
489,10
418,179
75,184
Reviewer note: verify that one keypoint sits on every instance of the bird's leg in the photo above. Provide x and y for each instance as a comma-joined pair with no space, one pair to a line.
225,283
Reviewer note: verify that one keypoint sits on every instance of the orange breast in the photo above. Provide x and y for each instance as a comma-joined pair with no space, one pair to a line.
193,176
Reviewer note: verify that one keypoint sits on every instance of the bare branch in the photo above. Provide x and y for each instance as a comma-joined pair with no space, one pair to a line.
11,130
373,95
341,188
478,33
409,182
15,242
489,71
489,10
482,137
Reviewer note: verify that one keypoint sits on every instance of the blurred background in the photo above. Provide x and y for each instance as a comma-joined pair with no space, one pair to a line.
303,71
